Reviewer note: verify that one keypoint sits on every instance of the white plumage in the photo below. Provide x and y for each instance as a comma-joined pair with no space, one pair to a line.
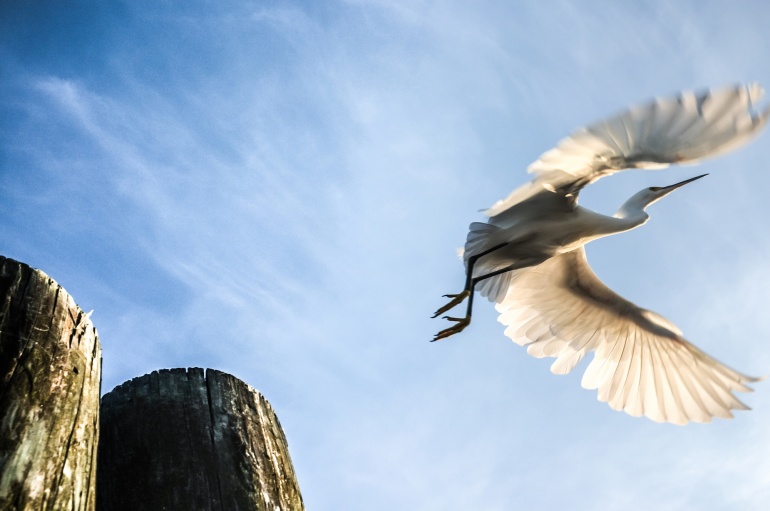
529,259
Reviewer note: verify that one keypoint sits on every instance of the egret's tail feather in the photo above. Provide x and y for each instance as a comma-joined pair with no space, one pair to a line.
478,234
494,288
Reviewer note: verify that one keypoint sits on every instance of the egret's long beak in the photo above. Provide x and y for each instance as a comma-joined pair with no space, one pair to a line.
668,189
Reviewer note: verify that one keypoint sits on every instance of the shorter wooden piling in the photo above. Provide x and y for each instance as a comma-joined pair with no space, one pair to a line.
175,440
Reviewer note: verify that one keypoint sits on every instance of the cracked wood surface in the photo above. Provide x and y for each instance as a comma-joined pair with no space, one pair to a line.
177,440
50,377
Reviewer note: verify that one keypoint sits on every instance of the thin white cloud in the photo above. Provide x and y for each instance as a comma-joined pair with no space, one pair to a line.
302,204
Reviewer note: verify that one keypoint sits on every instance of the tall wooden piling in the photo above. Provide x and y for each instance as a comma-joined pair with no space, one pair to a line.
175,440
50,376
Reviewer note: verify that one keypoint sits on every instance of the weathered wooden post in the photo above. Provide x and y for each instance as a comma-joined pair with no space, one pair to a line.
50,377
175,440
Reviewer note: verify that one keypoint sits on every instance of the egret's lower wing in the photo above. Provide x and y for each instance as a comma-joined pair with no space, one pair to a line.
641,363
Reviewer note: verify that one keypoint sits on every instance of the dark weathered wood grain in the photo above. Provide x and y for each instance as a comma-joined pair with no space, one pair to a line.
50,377
175,440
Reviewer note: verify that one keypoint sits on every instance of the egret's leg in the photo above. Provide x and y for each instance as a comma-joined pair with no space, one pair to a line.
466,292
461,323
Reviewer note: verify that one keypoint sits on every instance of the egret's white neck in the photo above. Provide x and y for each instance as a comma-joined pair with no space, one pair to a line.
632,214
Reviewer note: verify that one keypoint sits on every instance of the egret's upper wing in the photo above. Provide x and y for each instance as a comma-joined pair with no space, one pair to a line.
641,364
682,129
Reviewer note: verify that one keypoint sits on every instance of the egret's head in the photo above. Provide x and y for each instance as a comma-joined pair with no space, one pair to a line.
653,194
635,206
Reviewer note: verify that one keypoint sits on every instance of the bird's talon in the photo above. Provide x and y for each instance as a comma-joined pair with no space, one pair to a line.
454,329
455,300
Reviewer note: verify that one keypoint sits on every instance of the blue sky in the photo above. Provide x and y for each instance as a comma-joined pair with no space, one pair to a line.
277,189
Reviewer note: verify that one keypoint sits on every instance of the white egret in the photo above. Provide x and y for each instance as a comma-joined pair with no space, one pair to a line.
529,258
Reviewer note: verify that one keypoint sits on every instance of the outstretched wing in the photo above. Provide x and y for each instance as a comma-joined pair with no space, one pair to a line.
686,128
641,363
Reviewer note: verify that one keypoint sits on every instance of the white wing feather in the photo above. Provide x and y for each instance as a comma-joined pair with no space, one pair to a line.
641,363
686,128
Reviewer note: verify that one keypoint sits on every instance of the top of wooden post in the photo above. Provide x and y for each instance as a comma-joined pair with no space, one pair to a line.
173,439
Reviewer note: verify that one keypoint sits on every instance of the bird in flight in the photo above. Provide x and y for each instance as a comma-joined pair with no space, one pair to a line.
529,258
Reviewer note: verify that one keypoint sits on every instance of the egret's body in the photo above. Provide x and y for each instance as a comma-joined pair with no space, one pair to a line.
554,233
529,259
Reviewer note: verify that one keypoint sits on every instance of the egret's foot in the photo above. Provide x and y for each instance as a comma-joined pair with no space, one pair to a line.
456,329
456,300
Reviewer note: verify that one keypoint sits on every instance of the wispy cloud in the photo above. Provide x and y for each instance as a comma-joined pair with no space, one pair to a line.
277,191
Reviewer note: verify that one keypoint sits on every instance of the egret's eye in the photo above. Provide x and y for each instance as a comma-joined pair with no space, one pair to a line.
654,188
